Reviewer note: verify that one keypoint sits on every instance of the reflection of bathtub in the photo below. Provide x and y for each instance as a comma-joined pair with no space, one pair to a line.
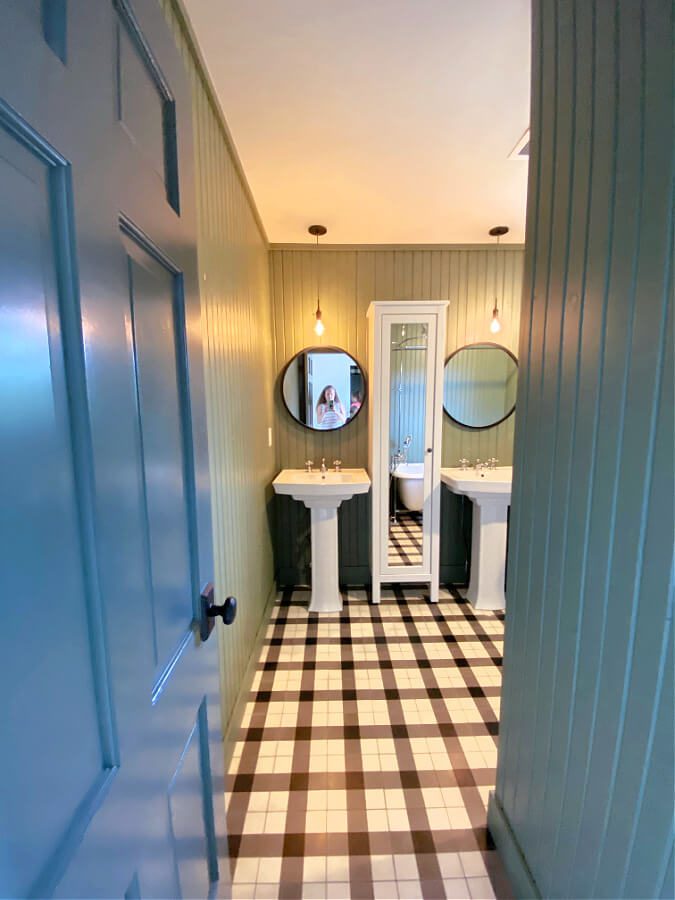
411,484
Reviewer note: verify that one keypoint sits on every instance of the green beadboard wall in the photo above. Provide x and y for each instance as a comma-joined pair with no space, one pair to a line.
585,780
349,279
238,353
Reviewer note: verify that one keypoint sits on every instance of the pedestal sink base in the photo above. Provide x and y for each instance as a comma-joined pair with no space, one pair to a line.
322,493
326,595
488,568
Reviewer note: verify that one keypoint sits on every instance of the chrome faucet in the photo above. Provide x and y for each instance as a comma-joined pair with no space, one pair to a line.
308,465
463,464
323,465
492,462
478,465
338,465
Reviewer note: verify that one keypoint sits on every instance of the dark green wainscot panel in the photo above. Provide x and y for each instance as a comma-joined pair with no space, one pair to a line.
292,543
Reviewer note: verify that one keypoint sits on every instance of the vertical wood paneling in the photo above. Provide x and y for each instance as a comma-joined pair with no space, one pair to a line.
239,370
585,776
350,278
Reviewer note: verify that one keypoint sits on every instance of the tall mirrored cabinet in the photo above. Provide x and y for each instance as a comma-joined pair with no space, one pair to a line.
406,342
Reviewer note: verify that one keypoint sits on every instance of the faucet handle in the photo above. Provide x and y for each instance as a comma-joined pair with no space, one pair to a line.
492,462
338,464
308,465
463,463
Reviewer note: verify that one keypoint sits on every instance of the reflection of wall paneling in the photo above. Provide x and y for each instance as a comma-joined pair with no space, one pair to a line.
349,278
238,352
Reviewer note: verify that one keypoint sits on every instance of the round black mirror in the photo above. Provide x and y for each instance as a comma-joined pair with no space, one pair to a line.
323,388
479,385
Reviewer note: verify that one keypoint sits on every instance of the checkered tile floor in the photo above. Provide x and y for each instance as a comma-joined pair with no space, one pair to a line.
366,753
405,540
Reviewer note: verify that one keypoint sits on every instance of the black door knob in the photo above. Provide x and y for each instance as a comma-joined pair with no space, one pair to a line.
210,610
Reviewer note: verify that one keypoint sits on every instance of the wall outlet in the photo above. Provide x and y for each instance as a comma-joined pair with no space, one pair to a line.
269,436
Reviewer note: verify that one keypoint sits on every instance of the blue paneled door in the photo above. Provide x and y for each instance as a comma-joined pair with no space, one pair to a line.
111,780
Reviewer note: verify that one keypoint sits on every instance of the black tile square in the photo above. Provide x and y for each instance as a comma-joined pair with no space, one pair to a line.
294,845
299,781
243,782
409,779
354,781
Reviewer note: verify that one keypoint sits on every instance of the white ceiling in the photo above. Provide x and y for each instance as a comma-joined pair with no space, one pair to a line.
388,121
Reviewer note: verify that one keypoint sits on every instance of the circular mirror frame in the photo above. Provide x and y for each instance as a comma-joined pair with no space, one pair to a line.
326,349
466,347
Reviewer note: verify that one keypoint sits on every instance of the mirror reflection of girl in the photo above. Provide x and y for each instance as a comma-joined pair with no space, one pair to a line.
330,412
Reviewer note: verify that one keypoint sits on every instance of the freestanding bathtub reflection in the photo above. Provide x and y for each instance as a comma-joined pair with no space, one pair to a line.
411,484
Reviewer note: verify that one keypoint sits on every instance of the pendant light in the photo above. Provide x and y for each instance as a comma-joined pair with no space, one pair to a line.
495,325
318,231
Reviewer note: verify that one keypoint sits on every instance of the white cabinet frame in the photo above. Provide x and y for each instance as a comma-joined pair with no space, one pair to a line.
381,316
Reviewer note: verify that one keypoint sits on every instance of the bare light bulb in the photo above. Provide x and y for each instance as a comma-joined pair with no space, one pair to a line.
319,328
495,324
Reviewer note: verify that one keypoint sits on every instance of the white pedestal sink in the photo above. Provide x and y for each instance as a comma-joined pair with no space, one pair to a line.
322,493
490,491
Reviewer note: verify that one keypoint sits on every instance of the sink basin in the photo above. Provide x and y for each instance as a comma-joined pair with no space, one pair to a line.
322,493
322,488
481,483
490,491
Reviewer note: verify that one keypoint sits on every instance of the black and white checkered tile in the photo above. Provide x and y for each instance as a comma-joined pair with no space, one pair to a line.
405,540
366,752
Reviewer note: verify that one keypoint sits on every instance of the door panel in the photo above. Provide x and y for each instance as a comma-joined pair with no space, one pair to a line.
111,765
43,577
157,351
191,814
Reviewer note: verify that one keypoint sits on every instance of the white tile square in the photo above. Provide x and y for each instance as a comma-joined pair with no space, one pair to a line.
266,891
338,890
314,891
270,870
314,869
481,888
246,870
398,820
456,889
450,865
473,864
377,820
409,890
385,890
243,891
337,869
275,823
382,868
406,867
375,798
254,823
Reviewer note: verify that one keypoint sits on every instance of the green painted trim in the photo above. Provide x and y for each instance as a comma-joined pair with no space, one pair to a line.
178,9
234,722
522,882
